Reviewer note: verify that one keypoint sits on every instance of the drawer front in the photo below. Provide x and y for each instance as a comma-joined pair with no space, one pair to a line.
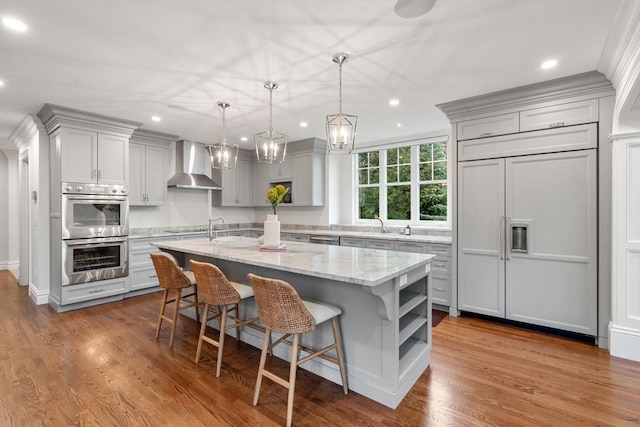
295,237
440,289
352,241
488,126
421,248
143,278
441,265
573,113
142,258
440,249
88,291
381,244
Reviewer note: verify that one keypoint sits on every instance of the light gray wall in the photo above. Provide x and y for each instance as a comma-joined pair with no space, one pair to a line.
4,218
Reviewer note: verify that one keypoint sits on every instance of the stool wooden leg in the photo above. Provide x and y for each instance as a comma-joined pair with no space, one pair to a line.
263,361
338,341
293,367
223,322
238,317
175,317
203,328
162,307
197,306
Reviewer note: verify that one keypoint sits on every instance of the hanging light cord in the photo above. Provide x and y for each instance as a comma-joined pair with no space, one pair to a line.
340,87
270,111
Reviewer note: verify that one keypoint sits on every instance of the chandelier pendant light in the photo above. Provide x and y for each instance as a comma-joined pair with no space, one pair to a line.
341,128
223,155
271,146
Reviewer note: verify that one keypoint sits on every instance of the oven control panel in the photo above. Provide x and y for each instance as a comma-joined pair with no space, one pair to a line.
82,188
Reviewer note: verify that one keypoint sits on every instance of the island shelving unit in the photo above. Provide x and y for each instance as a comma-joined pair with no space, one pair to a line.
385,297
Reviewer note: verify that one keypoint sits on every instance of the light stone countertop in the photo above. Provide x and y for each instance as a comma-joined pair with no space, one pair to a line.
365,267
141,233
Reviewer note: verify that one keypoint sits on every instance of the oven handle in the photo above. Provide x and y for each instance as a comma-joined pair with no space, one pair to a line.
94,197
101,242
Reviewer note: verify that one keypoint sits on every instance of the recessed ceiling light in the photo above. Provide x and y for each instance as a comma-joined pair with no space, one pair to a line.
1,83
304,124
156,118
549,64
399,125
393,102
14,24
244,139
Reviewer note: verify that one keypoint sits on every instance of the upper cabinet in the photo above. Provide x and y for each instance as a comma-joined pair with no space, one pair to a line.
571,113
87,147
307,172
237,183
281,171
488,126
149,167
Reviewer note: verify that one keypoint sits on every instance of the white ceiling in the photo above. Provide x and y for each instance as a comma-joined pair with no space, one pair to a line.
132,58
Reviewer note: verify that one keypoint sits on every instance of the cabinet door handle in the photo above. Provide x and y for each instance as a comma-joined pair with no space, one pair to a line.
99,174
508,248
439,289
153,276
94,174
440,265
486,134
501,237
556,124
442,251
93,291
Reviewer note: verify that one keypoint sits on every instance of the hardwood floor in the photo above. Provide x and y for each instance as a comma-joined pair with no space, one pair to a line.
103,366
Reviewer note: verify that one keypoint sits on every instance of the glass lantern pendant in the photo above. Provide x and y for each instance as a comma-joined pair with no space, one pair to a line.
271,146
341,128
223,155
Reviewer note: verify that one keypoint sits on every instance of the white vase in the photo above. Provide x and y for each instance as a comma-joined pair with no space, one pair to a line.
272,231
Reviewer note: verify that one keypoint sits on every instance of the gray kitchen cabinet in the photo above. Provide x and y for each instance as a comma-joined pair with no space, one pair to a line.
566,114
388,245
417,247
142,274
92,157
354,242
488,126
308,179
281,171
149,167
260,184
237,183
109,290
440,273
294,237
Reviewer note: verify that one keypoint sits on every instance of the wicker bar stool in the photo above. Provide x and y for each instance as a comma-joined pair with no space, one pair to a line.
281,310
216,290
171,277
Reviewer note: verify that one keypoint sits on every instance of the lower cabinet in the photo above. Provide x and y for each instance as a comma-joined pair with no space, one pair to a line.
414,329
94,290
440,273
142,274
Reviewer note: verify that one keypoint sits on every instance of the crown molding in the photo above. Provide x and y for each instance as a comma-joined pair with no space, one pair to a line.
54,116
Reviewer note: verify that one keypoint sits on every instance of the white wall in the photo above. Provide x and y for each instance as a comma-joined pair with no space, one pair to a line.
621,64
4,218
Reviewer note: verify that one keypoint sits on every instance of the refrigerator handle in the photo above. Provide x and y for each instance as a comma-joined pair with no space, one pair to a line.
508,248
501,238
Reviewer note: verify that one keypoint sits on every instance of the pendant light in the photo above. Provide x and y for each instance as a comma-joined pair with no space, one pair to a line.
271,146
223,155
341,128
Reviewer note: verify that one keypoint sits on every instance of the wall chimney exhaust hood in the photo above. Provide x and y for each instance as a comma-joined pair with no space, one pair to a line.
191,160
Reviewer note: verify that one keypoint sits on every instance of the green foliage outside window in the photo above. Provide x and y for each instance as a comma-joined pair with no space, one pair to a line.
431,179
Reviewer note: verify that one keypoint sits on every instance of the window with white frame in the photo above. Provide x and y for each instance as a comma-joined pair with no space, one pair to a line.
404,183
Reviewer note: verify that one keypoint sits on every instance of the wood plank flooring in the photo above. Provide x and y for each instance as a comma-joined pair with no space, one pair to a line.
102,366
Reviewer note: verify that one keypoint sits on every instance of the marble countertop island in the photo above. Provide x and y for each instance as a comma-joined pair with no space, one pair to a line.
366,267
385,298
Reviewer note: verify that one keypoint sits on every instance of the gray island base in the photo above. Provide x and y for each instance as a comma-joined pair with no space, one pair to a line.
385,297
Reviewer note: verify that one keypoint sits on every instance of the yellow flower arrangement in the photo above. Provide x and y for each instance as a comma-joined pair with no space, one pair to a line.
275,196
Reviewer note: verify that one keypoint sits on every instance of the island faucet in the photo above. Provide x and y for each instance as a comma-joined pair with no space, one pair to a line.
210,233
383,228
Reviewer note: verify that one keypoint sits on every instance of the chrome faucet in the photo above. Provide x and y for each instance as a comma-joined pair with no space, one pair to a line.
383,228
210,233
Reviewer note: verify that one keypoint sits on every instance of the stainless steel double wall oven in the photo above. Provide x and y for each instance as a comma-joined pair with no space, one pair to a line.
95,229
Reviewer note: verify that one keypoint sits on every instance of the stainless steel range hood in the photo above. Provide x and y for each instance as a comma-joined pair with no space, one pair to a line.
191,161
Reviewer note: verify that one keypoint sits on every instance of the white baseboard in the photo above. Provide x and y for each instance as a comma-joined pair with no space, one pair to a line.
624,342
39,297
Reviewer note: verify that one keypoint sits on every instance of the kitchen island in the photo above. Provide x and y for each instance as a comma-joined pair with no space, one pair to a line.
385,297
